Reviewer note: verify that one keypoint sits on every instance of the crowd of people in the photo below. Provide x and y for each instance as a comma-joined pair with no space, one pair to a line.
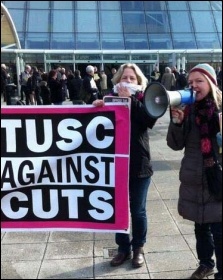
41,88
59,85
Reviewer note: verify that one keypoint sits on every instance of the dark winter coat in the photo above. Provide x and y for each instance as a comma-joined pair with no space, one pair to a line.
75,88
140,159
56,91
195,202
45,93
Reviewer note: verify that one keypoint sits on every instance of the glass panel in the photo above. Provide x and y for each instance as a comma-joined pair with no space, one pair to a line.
203,21
65,22
144,56
86,5
198,57
116,57
132,5
63,41
88,41
207,41
109,5
112,41
216,5
8,58
177,5
18,19
86,21
38,21
37,41
62,5
39,4
60,56
136,41
184,18
155,5
106,17
216,57
184,41
134,22
157,22
199,5
218,20
87,56
31,58
160,41
15,4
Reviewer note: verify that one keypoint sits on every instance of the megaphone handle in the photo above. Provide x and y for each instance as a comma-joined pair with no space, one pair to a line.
176,120
171,118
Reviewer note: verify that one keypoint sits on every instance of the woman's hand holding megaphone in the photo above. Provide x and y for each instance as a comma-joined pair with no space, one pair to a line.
177,115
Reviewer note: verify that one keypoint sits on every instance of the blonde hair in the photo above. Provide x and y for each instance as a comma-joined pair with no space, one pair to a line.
215,91
142,80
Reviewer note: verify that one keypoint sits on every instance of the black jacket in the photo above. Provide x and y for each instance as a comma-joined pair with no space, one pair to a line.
140,159
56,91
75,88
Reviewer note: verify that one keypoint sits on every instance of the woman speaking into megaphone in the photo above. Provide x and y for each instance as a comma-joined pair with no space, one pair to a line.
130,82
200,194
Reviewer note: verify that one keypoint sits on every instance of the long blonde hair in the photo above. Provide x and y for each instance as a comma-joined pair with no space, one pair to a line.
142,80
216,92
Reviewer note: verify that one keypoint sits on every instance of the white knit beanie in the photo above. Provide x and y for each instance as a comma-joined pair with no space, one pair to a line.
207,70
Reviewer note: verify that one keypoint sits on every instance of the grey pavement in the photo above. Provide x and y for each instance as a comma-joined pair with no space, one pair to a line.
169,252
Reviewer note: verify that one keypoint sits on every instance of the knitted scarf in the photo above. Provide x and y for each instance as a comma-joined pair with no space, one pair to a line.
205,120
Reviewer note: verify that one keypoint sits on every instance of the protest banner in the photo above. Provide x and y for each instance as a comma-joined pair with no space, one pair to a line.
65,168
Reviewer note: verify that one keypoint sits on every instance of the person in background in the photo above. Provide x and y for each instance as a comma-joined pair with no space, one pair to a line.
55,85
140,171
103,83
24,76
63,80
97,79
182,80
168,79
44,90
155,75
109,79
75,87
4,80
89,89
219,76
33,87
195,132
176,75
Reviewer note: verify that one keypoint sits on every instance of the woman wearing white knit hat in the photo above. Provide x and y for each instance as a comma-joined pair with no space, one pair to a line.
196,132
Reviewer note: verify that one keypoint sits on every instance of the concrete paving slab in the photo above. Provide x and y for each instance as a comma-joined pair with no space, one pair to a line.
69,250
25,237
70,236
20,269
81,268
22,252
170,261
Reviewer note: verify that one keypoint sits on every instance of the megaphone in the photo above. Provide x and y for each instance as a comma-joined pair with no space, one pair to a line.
156,99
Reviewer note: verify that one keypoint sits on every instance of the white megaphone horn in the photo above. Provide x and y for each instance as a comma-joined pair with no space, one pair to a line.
157,99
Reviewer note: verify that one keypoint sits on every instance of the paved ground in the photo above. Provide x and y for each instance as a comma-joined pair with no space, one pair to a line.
169,251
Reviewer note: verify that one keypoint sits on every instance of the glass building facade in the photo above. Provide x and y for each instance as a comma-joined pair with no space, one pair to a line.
109,33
